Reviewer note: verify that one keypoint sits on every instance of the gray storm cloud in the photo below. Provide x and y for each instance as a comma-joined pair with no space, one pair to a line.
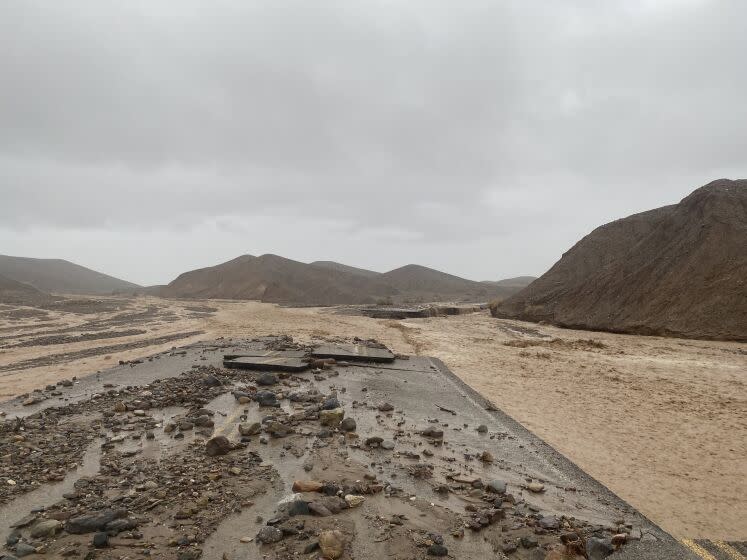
482,138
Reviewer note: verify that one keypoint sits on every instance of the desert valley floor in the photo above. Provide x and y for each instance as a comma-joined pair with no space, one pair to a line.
661,421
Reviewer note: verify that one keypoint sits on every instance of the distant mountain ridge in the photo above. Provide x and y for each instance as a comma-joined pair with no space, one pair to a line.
677,270
276,279
61,277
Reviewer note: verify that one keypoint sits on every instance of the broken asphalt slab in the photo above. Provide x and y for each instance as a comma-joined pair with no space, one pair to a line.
428,448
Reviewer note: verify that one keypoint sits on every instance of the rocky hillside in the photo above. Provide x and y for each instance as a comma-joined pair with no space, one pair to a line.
61,277
17,293
275,279
678,270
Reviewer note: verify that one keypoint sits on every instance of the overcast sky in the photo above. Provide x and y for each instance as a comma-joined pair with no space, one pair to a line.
143,139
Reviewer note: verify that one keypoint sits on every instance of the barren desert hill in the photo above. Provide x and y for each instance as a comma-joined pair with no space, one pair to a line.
677,270
275,279
58,276
332,265
426,284
18,293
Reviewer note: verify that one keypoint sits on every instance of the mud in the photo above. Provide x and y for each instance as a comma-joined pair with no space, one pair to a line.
98,351
426,465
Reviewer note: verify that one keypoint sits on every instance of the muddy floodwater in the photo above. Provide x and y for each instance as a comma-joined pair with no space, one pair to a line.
662,422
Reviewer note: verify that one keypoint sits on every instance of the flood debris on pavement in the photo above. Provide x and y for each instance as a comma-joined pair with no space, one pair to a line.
337,461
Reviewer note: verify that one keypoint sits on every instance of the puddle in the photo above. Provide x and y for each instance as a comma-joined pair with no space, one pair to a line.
49,494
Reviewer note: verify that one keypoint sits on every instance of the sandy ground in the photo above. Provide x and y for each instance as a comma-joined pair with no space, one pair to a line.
662,422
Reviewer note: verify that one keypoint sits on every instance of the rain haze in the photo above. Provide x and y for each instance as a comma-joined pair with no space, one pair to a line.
143,139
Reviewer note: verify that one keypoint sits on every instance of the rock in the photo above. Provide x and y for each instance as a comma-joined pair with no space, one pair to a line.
101,540
266,398
23,549
348,425
385,407
486,457
332,417
550,523
387,444
529,541
219,445
598,549
497,486
211,381
249,429
307,486
204,421
354,500
319,509
331,404
45,529
619,539
437,550
120,407
482,429
244,400
432,432
332,544
119,525
269,535
92,522
536,487
186,425
374,441
267,379
298,507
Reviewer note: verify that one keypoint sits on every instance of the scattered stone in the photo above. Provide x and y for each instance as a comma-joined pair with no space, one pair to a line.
486,457
211,381
332,544
536,487
218,445
354,500
348,425
267,379
269,535
298,507
550,523
332,417
387,444
432,432
101,540
529,541
437,550
92,522
45,529
307,486
331,404
24,549
598,549
385,407
482,429
266,398
497,486
250,429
